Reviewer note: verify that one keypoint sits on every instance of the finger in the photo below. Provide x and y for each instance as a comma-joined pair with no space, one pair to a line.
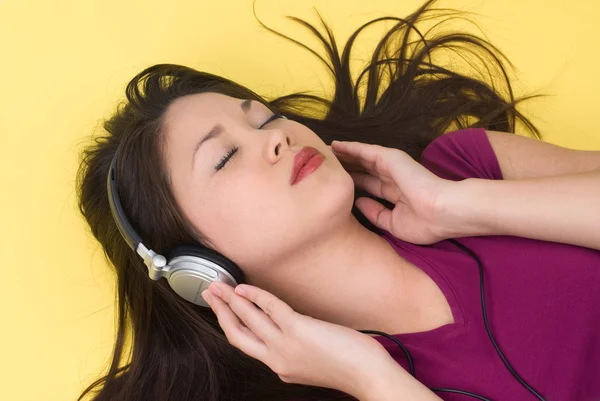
371,157
254,318
280,312
376,213
348,159
348,162
375,186
380,161
354,153
239,336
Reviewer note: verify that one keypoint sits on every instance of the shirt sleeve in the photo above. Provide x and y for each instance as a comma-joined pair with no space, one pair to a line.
462,154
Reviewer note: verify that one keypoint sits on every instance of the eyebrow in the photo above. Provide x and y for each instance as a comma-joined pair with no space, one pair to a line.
218,129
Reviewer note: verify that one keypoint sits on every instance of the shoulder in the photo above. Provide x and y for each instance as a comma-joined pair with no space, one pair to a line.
462,154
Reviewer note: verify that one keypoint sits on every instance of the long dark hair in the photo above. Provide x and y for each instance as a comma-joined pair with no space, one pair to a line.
179,351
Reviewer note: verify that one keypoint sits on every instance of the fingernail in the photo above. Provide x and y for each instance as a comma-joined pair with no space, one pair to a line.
240,291
215,290
206,296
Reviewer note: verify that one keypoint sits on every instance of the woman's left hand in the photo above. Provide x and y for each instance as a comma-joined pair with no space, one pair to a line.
419,195
298,348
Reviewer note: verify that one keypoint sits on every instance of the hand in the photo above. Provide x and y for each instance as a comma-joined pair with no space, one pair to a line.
298,348
391,174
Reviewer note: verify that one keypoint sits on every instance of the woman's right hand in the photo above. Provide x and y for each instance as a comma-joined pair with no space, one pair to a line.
419,215
298,348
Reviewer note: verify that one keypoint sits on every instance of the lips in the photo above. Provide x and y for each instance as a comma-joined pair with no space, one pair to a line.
304,163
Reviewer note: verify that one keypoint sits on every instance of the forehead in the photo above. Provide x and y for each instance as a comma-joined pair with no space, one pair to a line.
191,116
197,107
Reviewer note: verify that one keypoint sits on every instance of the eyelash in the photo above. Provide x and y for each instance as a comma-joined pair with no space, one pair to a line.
233,150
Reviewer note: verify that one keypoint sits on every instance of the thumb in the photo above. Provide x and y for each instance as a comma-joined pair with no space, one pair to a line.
379,215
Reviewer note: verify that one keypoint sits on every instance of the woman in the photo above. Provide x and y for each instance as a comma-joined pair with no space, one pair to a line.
321,267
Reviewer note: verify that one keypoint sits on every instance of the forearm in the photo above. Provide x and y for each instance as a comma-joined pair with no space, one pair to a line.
393,383
563,209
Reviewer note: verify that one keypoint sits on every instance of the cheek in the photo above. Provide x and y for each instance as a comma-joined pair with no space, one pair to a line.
253,220
249,220
246,211
248,196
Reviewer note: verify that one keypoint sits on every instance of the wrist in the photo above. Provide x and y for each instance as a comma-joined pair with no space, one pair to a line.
459,209
391,382
377,382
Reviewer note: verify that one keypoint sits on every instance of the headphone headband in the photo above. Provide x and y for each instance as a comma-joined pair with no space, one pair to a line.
132,238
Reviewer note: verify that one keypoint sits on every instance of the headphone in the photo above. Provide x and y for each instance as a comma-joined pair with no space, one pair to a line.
191,268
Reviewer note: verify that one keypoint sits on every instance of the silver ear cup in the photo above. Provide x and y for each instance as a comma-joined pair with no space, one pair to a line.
190,275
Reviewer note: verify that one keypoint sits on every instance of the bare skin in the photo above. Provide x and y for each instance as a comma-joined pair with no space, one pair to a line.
299,242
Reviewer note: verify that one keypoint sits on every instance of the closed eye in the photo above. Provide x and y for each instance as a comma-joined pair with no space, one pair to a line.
234,150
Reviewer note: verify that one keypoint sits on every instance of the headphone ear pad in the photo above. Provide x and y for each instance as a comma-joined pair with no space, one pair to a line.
208,254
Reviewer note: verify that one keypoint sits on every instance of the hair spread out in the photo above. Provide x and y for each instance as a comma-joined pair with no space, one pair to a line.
177,350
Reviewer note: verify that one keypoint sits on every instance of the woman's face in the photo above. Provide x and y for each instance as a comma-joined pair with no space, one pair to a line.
248,210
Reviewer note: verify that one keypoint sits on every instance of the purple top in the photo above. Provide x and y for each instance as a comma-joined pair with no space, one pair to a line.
542,300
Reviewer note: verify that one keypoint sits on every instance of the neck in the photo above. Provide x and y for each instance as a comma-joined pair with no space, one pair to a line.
352,277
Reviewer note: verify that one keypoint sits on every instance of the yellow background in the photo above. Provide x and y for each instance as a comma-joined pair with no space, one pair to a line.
64,64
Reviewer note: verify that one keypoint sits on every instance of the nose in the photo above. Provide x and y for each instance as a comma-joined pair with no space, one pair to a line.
277,144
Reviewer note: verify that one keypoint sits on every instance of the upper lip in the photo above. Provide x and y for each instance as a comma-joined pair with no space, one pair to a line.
300,159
